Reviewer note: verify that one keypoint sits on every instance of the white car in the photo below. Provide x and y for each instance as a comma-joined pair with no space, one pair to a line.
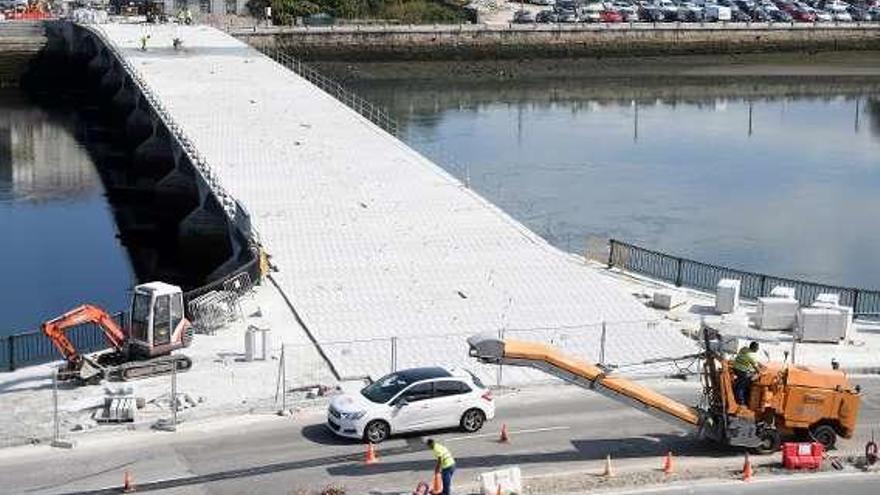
412,400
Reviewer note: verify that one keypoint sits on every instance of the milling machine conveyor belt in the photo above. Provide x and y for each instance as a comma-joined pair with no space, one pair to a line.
584,374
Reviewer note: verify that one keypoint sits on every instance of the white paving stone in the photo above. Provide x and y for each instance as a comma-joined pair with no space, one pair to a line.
371,239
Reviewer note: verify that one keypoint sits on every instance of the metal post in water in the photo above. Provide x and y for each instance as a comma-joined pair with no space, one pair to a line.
750,119
602,345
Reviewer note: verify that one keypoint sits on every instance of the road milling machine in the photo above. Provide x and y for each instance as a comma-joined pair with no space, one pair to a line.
784,401
154,327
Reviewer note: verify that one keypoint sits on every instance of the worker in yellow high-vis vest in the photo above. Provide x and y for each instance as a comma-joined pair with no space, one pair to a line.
445,464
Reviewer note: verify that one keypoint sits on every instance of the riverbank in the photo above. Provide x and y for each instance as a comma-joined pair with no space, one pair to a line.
20,41
486,42
709,72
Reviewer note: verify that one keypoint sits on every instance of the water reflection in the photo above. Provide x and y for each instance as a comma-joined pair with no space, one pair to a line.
781,178
39,158
58,244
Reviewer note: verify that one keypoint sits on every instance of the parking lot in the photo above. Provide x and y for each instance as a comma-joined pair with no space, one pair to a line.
698,11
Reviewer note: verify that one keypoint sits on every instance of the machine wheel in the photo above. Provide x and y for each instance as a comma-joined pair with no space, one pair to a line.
825,435
770,442
472,420
376,431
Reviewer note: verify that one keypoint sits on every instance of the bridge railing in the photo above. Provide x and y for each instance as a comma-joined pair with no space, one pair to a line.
370,111
684,272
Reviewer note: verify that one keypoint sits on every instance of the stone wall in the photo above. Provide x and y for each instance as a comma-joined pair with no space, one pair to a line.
525,41
20,41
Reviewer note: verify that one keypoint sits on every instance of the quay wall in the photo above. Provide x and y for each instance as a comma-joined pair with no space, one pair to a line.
20,42
443,42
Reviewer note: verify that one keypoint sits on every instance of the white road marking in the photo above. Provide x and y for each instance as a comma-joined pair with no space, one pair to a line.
510,432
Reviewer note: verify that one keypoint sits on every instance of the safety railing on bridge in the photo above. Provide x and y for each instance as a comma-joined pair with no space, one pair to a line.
684,272
370,111
34,347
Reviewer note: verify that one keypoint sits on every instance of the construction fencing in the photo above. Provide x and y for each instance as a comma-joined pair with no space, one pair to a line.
610,343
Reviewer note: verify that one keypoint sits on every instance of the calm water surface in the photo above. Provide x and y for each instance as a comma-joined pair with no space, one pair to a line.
784,185
58,245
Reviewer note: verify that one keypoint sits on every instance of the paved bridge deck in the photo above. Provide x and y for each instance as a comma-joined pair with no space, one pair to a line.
371,239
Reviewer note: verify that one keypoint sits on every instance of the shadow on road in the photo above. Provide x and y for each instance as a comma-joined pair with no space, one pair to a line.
352,464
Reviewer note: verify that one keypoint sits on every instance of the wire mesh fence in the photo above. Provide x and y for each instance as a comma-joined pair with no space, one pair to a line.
371,112
609,343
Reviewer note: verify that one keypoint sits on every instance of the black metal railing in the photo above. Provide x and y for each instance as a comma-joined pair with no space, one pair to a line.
698,275
34,347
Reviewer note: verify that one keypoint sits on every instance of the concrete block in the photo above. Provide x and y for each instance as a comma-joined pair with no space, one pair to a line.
727,296
777,313
509,479
782,291
664,300
832,299
821,325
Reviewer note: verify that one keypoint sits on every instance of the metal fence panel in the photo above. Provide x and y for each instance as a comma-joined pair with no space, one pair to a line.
705,276
35,348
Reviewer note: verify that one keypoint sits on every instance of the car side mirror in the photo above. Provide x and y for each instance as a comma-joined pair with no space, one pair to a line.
402,402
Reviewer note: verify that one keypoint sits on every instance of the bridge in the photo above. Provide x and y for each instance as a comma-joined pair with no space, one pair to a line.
368,238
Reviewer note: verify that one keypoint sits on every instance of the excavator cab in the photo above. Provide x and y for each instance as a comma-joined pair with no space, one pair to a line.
155,327
157,324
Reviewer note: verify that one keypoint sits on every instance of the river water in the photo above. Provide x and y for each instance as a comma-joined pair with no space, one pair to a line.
58,245
777,178
782,178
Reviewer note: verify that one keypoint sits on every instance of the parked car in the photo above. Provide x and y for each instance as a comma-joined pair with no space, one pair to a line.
651,13
840,15
716,13
804,15
823,16
780,16
416,399
548,3
610,15
628,11
523,17
858,14
592,12
875,13
545,16
739,16
759,15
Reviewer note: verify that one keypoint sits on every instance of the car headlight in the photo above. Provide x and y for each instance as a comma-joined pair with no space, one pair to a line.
353,415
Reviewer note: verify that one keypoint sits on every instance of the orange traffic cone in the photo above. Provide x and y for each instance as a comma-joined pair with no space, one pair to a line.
668,468
609,471
371,457
127,483
504,438
747,469
437,486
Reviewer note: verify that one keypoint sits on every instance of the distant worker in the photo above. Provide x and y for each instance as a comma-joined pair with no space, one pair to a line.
445,464
745,366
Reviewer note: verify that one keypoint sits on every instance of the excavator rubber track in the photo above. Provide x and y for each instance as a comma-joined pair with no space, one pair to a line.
136,370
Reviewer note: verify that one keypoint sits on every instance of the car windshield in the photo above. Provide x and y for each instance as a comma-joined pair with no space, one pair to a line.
383,389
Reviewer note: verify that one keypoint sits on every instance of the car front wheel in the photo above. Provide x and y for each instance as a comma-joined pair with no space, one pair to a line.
376,431
472,420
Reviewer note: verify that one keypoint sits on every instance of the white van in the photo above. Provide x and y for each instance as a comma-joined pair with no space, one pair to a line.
717,13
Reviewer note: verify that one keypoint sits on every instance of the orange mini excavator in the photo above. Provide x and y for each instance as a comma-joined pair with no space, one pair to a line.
155,327
784,400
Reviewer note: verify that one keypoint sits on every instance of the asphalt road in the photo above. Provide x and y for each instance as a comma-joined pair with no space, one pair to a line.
860,484
553,429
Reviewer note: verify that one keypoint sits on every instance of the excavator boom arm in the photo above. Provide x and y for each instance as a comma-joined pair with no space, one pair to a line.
584,374
55,329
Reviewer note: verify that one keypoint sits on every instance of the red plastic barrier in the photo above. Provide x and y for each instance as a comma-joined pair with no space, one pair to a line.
802,455
28,16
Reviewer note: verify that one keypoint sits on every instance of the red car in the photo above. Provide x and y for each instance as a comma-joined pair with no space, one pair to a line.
609,15
801,15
